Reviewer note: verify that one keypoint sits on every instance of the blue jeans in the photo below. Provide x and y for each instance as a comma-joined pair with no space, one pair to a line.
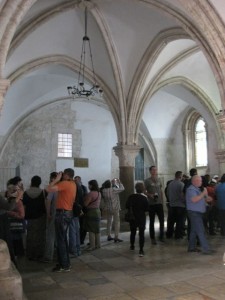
50,239
62,222
74,236
197,230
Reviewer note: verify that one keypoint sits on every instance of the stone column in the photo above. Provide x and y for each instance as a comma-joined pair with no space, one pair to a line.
10,279
126,154
4,85
221,158
221,153
221,120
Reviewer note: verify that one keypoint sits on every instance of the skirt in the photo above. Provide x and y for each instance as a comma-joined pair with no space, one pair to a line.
92,220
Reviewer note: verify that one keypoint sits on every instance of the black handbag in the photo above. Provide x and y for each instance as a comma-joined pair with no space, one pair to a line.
129,215
77,209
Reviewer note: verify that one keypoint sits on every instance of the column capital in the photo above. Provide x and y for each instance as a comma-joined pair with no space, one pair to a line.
126,154
221,121
221,155
4,85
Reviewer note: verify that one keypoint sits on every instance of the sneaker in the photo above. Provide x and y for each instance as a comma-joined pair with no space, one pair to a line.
72,255
132,247
154,242
110,238
209,252
89,248
45,260
59,269
194,250
141,253
117,240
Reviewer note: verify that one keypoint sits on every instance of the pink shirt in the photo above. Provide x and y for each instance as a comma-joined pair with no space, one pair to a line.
92,199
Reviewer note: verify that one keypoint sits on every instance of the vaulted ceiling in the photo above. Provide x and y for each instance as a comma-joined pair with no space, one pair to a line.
140,48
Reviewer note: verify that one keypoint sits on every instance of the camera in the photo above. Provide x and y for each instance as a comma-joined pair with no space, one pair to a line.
201,188
156,196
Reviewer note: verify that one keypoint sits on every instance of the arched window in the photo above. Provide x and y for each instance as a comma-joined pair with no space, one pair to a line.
195,133
201,155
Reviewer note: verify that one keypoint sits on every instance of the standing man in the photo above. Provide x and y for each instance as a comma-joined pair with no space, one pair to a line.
177,207
81,193
66,188
196,207
50,204
154,192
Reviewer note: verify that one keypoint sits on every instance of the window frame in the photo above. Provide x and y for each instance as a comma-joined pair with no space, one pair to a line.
67,148
189,126
196,158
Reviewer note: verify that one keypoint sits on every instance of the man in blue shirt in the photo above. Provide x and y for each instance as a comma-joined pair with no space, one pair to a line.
196,206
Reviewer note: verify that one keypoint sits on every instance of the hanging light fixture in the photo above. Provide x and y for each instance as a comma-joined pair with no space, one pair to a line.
81,89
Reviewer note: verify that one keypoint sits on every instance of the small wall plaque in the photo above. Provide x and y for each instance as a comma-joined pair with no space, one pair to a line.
81,162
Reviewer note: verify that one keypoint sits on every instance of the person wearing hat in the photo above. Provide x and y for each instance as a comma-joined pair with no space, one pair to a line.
216,177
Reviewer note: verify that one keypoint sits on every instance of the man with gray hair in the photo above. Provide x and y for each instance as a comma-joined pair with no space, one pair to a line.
196,198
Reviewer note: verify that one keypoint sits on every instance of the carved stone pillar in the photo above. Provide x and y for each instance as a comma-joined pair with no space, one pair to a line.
126,154
4,85
221,158
221,121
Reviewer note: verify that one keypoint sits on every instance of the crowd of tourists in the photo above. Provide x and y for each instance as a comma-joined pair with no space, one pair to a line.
52,223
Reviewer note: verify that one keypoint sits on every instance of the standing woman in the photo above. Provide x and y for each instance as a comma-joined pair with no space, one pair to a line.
35,214
93,215
110,194
16,185
6,205
139,204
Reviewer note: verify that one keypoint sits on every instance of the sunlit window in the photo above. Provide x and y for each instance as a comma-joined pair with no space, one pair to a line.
201,155
64,145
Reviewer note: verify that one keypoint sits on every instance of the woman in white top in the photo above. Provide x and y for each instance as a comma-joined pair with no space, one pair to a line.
110,195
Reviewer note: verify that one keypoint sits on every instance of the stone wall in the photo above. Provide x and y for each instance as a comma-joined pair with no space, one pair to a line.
33,145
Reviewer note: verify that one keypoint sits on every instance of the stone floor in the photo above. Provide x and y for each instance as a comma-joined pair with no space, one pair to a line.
114,272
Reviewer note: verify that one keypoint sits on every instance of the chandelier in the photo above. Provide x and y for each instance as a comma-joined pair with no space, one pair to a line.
81,89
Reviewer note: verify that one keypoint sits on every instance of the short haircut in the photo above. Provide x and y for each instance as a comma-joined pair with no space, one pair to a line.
69,172
222,178
53,175
193,172
35,181
178,174
152,168
139,187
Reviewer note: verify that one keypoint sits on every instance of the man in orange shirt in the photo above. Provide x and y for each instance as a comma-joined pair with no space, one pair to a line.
66,188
